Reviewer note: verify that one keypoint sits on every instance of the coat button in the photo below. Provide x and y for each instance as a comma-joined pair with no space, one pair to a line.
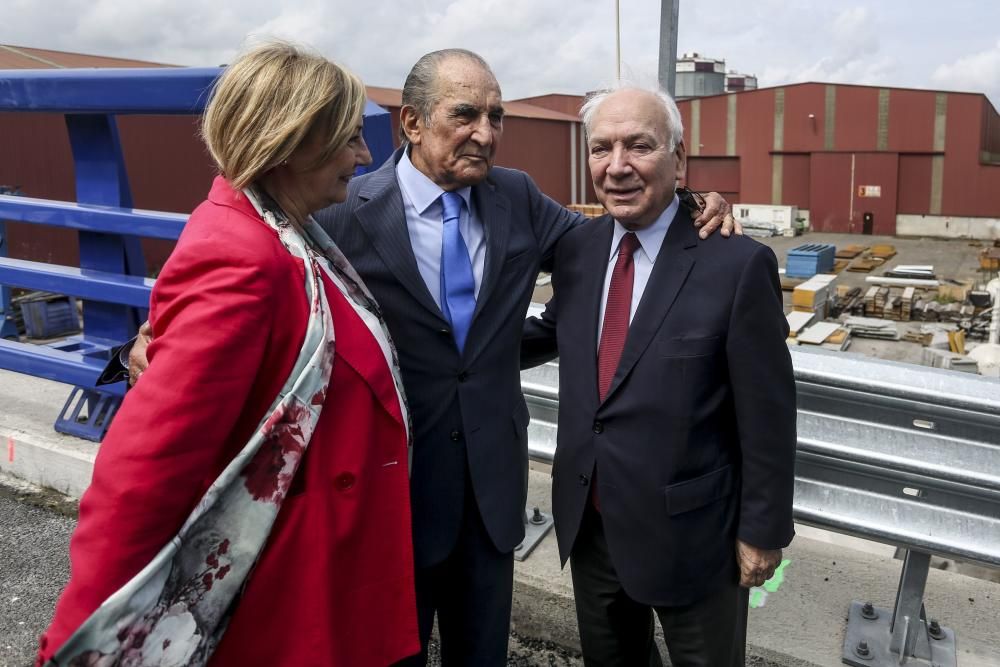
584,480
344,481
455,436
598,427
463,376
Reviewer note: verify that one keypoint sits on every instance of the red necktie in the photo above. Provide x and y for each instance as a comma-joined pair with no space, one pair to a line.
616,314
615,329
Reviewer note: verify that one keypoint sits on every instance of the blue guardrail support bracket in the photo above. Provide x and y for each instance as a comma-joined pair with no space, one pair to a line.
7,327
101,179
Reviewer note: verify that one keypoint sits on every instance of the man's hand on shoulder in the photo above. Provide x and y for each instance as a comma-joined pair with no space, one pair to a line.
756,565
716,214
137,361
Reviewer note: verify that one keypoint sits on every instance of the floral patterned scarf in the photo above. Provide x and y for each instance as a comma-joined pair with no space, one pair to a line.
176,609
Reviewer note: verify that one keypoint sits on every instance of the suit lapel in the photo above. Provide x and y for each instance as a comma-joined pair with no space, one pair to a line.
493,209
383,219
585,311
673,264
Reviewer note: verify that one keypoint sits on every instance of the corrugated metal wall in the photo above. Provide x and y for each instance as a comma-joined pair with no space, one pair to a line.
929,152
167,165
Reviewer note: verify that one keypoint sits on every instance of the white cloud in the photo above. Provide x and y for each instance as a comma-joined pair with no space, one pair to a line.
543,46
978,72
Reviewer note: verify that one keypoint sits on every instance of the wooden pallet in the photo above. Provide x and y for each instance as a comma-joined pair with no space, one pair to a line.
851,251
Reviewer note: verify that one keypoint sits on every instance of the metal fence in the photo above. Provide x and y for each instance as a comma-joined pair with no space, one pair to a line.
894,453
111,278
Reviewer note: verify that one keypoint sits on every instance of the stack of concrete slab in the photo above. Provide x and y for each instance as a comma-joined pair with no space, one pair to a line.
828,335
870,327
813,296
937,358
797,321
912,272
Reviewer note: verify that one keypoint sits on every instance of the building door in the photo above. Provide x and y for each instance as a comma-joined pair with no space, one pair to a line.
844,187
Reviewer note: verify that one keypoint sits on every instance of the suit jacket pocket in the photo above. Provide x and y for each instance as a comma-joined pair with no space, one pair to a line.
700,491
689,347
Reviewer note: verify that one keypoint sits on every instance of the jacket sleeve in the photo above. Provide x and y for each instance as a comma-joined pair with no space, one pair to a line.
550,220
538,341
763,384
211,320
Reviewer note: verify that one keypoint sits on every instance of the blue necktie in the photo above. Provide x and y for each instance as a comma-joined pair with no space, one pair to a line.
458,286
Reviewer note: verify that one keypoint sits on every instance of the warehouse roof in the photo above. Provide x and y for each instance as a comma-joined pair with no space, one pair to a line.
23,57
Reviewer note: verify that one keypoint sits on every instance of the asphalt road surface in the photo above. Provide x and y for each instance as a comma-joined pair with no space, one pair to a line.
34,566
34,539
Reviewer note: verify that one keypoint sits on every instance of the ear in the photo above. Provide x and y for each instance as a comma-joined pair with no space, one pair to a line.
411,124
680,153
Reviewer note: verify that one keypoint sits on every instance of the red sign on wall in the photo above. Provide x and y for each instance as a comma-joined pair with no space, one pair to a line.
869,190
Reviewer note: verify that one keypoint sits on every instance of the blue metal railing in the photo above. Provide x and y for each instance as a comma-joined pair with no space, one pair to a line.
111,275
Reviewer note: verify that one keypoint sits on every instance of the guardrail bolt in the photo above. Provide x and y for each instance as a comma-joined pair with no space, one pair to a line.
862,649
537,517
935,630
868,611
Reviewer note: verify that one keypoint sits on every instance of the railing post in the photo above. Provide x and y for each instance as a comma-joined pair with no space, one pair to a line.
7,327
101,179
879,637
908,614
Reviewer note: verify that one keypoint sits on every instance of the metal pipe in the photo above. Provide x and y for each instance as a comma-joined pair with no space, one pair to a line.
618,41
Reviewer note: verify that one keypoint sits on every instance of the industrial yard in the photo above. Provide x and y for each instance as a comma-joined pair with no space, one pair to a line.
955,265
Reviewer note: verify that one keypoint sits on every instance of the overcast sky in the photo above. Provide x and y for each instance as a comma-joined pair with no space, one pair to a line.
543,46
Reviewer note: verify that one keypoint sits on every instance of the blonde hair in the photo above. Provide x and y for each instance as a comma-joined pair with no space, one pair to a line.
269,100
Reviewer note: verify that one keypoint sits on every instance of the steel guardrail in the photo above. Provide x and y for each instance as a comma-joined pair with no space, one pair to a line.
904,455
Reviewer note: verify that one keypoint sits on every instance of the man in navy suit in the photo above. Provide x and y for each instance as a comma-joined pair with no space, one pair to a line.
674,466
457,328
470,462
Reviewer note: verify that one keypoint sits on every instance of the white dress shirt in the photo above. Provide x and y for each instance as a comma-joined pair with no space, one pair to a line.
650,240
422,206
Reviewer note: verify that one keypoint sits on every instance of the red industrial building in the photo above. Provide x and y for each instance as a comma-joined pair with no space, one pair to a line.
922,163
169,169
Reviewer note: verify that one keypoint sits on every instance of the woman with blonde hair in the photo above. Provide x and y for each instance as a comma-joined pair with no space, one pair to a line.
250,503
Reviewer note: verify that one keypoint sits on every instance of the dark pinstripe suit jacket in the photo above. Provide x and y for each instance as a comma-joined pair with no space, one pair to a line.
469,417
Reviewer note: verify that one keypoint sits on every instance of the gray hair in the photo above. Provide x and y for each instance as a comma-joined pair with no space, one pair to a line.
676,125
420,90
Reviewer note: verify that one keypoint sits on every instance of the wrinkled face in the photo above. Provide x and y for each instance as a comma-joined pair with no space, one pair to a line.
633,168
457,146
320,185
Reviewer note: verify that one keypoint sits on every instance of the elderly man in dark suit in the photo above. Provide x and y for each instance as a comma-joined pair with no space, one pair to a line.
454,296
450,246
673,474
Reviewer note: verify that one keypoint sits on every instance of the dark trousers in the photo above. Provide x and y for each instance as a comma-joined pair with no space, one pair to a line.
617,630
471,592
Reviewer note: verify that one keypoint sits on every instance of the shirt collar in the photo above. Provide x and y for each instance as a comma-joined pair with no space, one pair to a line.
420,190
651,237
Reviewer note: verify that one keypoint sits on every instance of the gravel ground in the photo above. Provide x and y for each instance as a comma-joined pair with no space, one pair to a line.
34,538
34,566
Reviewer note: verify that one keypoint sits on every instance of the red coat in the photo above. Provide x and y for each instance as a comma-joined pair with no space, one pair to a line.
334,585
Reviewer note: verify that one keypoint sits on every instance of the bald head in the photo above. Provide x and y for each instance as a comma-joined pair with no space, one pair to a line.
633,156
